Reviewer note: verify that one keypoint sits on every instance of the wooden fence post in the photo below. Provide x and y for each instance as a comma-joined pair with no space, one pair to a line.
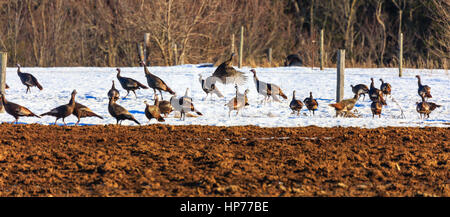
147,48
321,49
4,61
340,75
181,62
140,51
400,55
241,47
269,56
444,65
232,44
175,54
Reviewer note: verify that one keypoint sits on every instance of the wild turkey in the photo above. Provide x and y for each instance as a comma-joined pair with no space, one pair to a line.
267,89
16,110
28,79
374,92
155,82
311,103
423,108
377,106
295,105
226,74
82,111
385,87
129,84
424,90
209,86
237,103
165,107
6,86
360,89
345,106
152,111
113,92
183,104
64,110
381,98
119,112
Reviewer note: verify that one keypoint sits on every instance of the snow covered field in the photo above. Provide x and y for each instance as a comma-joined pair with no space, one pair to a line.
92,85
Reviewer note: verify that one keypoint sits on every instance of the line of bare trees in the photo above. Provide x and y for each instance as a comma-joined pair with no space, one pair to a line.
105,32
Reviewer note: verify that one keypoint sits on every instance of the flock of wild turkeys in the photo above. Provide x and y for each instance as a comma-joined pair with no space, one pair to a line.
225,74
377,96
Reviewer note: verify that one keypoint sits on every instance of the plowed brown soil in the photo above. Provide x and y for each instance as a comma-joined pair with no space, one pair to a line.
162,160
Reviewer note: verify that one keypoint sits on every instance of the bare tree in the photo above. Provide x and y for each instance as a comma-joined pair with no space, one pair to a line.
383,27
38,39
439,42
400,4
105,32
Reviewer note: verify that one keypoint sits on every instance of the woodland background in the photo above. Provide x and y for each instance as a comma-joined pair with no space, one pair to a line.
105,32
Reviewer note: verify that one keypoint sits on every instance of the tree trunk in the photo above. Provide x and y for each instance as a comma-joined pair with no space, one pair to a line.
348,30
380,21
168,34
44,31
35,33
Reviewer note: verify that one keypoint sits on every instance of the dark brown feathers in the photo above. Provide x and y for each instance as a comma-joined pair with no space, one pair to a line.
152,111
360,89
82,111
16,110
376,108
295,105
129,84
374,92
64,110
311,103
155,82
119,112
424,90
385,87
113,92
228,75
165,107
423,108
28,80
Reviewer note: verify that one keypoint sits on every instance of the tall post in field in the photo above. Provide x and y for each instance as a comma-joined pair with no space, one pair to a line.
140,51
321,49
175,54
241,47
232,44
269,56
400,55
4,61
313,36
444,65
181,59
340,75
147,48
